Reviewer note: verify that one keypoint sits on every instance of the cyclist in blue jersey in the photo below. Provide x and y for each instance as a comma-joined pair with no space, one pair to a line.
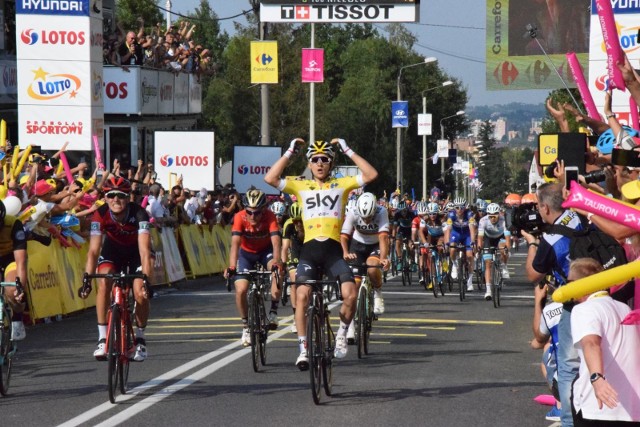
461,228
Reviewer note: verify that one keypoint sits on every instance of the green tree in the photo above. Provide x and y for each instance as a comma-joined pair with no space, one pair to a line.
493,174
129,11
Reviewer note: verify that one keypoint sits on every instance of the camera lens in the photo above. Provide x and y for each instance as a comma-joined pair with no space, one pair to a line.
595,176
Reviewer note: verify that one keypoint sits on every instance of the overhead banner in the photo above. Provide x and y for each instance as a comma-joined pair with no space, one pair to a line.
251,164
312,65
514,29
300,11
264,62
400,114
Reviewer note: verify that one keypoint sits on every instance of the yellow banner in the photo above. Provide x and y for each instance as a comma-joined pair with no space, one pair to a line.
548,149
264,62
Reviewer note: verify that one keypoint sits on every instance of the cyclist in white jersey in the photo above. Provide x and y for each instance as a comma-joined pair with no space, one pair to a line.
492,233
368,229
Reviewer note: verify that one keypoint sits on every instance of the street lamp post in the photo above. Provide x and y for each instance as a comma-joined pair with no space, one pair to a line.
427,60
459,113
424,138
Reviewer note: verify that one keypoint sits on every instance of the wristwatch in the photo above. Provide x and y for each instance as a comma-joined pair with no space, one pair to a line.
595,376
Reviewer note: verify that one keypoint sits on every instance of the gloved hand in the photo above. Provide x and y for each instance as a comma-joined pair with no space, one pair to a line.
343,146
295,146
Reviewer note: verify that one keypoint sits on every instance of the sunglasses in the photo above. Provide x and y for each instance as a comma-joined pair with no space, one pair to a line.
119,194
320,159
493,216
459,207
252,213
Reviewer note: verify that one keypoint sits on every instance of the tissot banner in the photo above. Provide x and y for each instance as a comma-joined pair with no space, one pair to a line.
312,65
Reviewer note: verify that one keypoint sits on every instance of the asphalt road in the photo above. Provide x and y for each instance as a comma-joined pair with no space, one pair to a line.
436,362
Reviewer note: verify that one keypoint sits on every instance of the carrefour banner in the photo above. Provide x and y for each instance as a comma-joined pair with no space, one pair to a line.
186,154
514,28
264,62
251,164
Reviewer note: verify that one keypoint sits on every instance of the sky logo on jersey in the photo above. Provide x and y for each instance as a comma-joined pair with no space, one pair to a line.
29,36
46,86
166,161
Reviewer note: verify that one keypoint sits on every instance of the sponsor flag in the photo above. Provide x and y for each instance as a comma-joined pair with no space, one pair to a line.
312,65
400,114
264,62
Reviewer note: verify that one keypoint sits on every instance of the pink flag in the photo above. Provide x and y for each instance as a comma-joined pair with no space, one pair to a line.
312,65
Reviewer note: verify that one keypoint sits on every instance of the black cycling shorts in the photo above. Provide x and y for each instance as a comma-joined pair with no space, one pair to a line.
121,258
326,254
363,251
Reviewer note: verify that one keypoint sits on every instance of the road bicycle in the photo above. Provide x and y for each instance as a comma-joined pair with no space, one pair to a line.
463,269
257,321
321,339
406,264
436,275
393,257
478,271
496,273
364,316
120,343
8,347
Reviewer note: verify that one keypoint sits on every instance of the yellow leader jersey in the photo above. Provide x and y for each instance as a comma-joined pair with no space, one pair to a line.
322,204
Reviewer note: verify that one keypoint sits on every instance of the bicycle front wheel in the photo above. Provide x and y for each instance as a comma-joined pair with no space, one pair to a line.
327,360
461,282
128,351
361,319
433,275
254,329
315,352
497,283
113,352
264,334
5,354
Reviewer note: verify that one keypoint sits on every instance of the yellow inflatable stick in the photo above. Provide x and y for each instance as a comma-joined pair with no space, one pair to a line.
23,159
14,159
3,133
26,214
598,282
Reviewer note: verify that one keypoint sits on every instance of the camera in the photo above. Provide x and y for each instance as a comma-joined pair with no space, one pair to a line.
526,217
595,177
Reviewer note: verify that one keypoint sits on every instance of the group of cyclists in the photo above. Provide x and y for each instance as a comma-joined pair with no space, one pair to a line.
329,230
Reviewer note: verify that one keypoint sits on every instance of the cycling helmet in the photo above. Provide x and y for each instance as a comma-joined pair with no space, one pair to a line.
607,140
433,208
402,206
393,204
295,211
320,147
116,183
421,208
482,205
493,209
366,205
278,208
460,202
254,199
449,206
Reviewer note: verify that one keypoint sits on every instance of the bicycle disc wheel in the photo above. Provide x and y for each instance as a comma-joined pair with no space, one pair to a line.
264,334
254,330
315,352
433,273
5,354
327,360
129,350
361,319
113,353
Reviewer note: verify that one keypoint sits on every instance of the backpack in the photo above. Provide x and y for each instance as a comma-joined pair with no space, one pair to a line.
592,243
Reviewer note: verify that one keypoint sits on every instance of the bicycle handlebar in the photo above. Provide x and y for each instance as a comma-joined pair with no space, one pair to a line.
17,284
85,289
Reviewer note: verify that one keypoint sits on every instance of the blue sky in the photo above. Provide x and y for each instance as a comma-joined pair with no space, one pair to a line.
451,30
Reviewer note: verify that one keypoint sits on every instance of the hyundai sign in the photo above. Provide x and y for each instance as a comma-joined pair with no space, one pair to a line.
400,114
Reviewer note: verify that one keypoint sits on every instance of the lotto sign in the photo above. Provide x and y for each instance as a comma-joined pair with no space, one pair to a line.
194,161
424,124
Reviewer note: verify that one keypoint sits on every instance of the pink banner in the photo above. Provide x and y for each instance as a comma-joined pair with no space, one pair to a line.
615,55
312,65
606,207
578,77
633,111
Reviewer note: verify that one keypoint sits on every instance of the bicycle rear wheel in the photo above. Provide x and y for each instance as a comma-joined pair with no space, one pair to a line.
315,352
327,360
5,354
254,329
113,353
361,320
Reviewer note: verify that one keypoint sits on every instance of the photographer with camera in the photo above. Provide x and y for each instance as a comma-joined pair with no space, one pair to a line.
130,51
549,254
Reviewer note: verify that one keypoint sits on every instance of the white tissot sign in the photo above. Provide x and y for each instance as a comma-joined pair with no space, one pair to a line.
443,148
424,124
327,12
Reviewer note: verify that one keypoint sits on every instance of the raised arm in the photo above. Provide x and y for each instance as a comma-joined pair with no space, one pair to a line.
369,173
273,176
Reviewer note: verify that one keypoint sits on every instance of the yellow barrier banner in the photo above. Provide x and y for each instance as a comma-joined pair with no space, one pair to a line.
223,244
158,276
193,248
172,260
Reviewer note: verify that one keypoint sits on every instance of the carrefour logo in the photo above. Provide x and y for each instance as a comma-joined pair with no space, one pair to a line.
253,170
168,160
46,86
29,36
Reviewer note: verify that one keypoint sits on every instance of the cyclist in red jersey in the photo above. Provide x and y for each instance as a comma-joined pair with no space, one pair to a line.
127,244
255,238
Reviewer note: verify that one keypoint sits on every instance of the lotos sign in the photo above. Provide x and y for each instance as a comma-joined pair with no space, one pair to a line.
251,165
193,161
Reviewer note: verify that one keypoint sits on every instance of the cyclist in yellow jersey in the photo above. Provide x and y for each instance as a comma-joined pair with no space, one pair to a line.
323,200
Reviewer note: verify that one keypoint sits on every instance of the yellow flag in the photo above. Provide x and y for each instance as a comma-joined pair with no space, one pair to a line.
264,62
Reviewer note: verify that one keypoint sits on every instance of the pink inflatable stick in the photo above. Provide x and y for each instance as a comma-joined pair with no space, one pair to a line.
67,169
578,77
615,55
96,148
633,109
